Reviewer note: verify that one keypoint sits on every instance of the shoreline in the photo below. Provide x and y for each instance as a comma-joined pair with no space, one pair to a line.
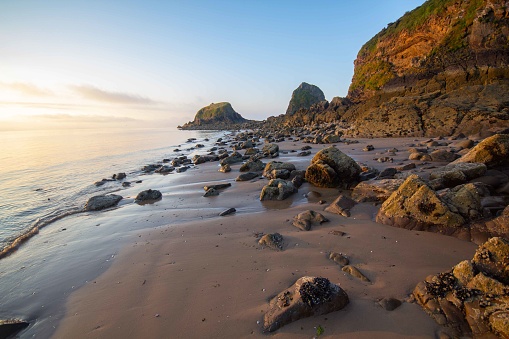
135,262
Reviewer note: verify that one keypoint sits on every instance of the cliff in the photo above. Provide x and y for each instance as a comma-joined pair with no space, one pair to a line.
441,69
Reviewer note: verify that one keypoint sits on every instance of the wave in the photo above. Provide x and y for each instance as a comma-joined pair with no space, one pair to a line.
34,229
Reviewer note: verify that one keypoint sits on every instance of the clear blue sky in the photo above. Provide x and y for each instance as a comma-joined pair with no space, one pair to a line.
164,60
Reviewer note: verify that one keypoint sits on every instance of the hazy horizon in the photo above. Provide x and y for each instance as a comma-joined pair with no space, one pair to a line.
90,63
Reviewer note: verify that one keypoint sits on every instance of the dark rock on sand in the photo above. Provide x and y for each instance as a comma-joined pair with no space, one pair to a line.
471,299
309,296
100,202
278,170
277,189
234,158
252,165
10,327
330,168
306,219
247,176
270,150
354,272
225,168
211,192
217,186
341,206
390,304
387,173
227,212
148,195
339,258
273,240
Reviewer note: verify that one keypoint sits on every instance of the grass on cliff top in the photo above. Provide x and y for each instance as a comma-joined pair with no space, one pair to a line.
409,22
214,110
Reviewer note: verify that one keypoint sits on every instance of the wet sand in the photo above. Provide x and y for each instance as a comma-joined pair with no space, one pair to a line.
193,274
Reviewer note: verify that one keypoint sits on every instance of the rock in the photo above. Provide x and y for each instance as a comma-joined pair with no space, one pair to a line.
215,116
270,150
467,201
252,165
354,272
251,151
309,296
274,241
278,169
414,205
181,169
389,304
338,233
330,168
211,192
126,184
227,212
472,297
304,97
304,153
458,173
331,139
148,195
247,176
498,227
225,168
277,189
368,148
341,206
492,151
10,327
119,176
308,218
100,202
165,169
406,167
339,258
442,155
217,186
375,190
388,173
201,159
234,158
102,182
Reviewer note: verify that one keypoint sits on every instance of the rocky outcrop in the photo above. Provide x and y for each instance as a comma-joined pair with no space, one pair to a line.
309,296
492,151
277,189
216,116
100,202
441,69
304,97
471,299
331,168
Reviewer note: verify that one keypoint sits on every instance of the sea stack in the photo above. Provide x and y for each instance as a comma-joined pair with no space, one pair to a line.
304,96
215,116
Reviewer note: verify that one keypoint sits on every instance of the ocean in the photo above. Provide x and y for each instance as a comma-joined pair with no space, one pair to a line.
48,174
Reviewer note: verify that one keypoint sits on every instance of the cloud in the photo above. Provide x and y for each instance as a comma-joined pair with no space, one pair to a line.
97,94
26,89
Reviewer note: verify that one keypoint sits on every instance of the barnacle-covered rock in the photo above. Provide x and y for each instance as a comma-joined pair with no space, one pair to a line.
309,296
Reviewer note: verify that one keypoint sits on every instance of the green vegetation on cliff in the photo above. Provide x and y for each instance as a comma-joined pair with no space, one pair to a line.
220,112
435,35
304,96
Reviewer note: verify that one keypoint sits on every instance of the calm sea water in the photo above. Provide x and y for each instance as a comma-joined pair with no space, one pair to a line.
45,175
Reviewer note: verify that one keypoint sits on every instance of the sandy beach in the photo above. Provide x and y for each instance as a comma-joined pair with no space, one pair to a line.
194,274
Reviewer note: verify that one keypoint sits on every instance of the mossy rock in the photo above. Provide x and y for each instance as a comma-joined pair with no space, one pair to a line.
304,96
492,151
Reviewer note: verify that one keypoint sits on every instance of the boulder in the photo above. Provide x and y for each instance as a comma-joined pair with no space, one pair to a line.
341,206
492,151
148,195
119,176
234,158
354,272
387,173
270,150
331,139
442,155
375,190
309,296
247,176
275,168
217,186
252,165
306,219
227,212
471,299
458,173
303,97
225,168
497,227
414,205
274,241
390,304
211,192
466,200
9,328
339,258
330,168
277,189
100,202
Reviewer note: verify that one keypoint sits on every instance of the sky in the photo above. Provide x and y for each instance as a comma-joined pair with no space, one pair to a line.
156,63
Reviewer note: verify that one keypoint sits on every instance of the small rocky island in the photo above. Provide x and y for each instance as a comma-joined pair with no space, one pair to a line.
216,116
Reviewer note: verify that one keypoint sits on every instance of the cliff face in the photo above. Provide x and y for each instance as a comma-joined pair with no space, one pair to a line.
215,116
441,69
